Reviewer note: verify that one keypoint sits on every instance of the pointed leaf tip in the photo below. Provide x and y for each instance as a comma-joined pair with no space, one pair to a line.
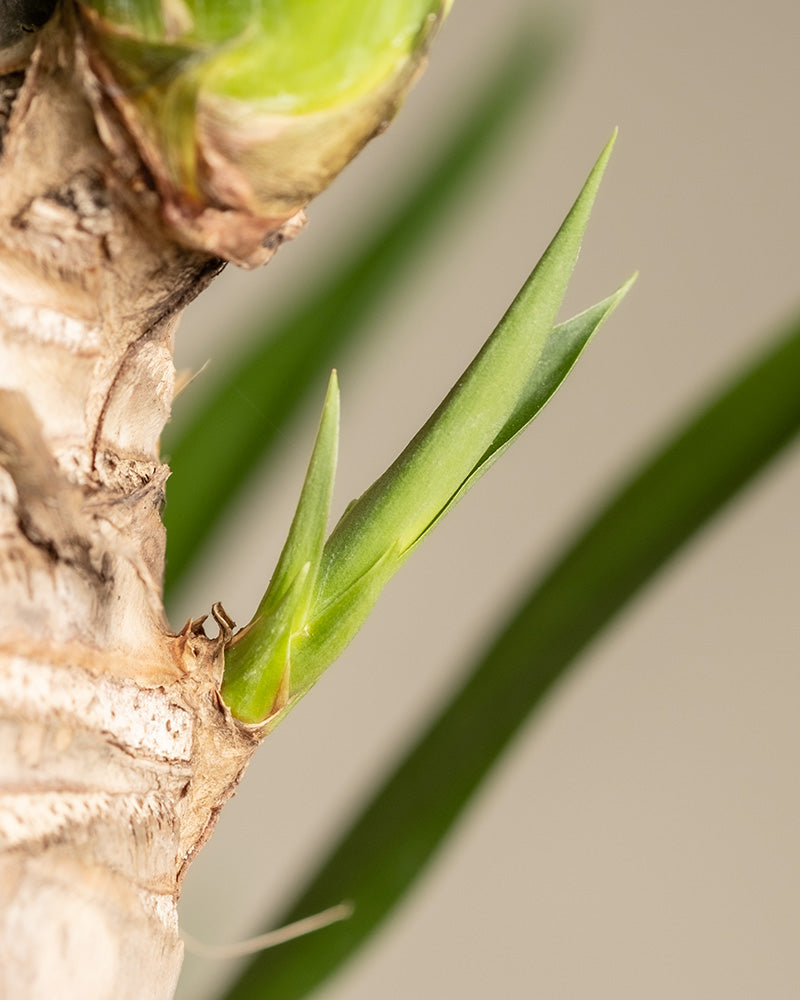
561,351
256,663
400,506
310,523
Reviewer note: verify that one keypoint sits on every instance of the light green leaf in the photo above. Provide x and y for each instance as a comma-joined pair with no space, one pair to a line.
329,631
561,350
256,663
256,681
397,509
489,404
310,525
328,634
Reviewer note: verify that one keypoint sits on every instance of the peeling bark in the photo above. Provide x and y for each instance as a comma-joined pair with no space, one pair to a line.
116,753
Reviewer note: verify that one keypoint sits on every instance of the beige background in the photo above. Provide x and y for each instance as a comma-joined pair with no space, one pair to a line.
641,838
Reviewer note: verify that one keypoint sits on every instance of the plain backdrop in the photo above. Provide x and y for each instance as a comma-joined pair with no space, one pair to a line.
640,839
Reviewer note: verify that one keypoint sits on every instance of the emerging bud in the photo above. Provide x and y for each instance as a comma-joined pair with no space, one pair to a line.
243,110
321,593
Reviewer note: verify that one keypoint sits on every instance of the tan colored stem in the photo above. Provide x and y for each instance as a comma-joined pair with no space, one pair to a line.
117,753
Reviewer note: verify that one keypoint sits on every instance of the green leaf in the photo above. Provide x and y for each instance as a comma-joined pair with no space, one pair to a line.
562,349
331,630
247,411
334,627
646,521
256,683
256,664
495,397
398,508
310,525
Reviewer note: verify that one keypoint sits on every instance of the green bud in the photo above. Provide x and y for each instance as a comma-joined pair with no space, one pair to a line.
244,111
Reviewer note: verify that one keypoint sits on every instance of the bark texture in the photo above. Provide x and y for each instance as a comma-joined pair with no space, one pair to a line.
116,753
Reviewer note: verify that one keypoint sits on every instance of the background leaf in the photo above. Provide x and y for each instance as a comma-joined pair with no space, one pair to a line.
646,522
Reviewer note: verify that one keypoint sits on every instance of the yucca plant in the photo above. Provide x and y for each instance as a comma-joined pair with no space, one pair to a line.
146,144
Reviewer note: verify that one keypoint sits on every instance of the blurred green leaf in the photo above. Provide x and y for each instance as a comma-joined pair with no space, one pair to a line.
247,412
646,521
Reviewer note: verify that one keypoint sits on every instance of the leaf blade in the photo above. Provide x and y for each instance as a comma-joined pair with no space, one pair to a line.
561,351
409,496
309,526
258,662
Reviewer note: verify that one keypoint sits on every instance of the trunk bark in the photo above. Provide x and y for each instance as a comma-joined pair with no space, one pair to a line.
116,753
